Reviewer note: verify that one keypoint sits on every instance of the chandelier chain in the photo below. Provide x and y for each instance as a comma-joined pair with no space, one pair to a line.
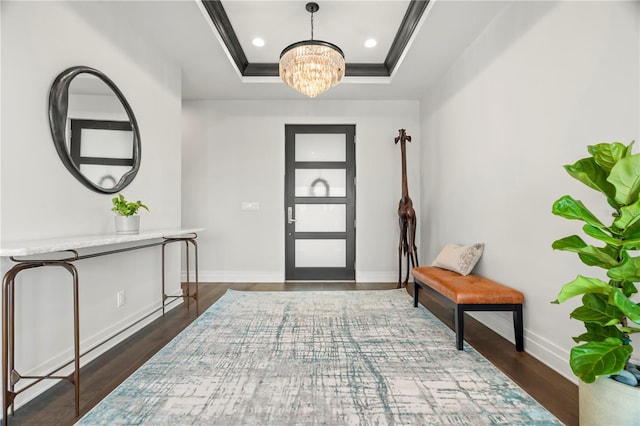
311,25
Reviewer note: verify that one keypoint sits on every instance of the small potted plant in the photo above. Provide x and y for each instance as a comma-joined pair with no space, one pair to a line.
608,312
127,220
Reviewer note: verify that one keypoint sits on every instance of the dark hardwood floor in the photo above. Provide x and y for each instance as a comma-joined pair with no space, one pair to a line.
100,377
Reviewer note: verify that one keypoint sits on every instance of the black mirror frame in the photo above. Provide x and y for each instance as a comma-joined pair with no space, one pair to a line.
58,109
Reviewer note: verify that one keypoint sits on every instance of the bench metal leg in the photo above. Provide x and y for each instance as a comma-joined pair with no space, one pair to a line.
416,287
459,327
518,328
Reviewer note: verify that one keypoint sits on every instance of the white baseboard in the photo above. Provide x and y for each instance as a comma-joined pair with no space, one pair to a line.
535,345
237,276
278,276
377,276
550,354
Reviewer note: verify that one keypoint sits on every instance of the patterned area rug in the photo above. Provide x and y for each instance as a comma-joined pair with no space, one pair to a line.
317,358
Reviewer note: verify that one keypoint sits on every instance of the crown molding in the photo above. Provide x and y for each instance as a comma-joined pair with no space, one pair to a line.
220,20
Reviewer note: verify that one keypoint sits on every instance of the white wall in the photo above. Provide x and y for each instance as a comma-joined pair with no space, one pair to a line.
489,140
542,82
233,151
41,199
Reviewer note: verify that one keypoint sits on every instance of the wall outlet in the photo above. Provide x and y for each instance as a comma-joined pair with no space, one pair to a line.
250,205
120,298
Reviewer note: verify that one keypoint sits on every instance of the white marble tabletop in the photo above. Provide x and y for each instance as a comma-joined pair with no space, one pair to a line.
31,247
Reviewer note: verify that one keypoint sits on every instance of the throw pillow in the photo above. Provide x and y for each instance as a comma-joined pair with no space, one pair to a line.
460,259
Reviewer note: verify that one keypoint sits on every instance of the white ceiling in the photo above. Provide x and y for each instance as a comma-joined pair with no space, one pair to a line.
183,31
344,23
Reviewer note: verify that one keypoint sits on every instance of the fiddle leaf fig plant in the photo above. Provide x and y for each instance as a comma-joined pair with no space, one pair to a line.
609,314
123,207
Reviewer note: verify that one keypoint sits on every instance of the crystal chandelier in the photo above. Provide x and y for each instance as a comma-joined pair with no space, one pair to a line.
312,66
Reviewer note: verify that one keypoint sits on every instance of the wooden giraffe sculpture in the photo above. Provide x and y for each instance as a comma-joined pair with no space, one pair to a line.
406,216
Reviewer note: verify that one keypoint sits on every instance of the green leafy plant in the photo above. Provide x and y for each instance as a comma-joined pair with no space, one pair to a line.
607,311
126,208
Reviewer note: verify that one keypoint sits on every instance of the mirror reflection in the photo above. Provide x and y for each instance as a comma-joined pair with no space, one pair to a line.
94,129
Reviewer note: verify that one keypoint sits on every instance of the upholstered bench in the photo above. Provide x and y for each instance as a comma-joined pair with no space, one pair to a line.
470,293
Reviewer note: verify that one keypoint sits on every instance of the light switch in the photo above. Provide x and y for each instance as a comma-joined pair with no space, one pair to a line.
250,205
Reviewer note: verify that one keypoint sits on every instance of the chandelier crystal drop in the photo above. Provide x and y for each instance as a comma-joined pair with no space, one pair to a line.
312,66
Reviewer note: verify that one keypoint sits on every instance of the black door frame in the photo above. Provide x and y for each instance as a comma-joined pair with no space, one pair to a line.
320,273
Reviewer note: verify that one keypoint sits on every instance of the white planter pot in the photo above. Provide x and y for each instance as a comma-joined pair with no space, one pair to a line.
127,224
607,402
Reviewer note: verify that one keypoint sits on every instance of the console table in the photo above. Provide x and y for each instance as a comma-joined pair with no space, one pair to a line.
64,252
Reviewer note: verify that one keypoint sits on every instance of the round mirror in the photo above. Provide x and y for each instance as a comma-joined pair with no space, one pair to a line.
94,130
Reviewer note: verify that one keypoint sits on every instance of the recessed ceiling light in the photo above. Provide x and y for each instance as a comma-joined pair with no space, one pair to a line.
370,43
258,42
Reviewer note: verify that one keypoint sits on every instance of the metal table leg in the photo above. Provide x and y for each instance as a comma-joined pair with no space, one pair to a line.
10,375
189,239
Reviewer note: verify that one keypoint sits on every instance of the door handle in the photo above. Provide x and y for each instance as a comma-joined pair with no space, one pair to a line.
290,218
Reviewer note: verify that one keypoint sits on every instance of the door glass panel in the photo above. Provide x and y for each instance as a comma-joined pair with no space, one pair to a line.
321,217
321,253
106,143
321,183
320,147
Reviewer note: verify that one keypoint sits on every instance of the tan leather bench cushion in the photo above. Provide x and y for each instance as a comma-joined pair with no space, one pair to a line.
466,289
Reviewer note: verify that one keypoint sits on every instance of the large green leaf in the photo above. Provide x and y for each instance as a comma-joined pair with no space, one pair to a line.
629,215
625,176
598,257
606,155
569,208
604,317
591,174
583,285
594,359
570,243
598,333
630,309
632,236
597,309
633,244
612,251
587,260
633,231
592,256
601,235
628,270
